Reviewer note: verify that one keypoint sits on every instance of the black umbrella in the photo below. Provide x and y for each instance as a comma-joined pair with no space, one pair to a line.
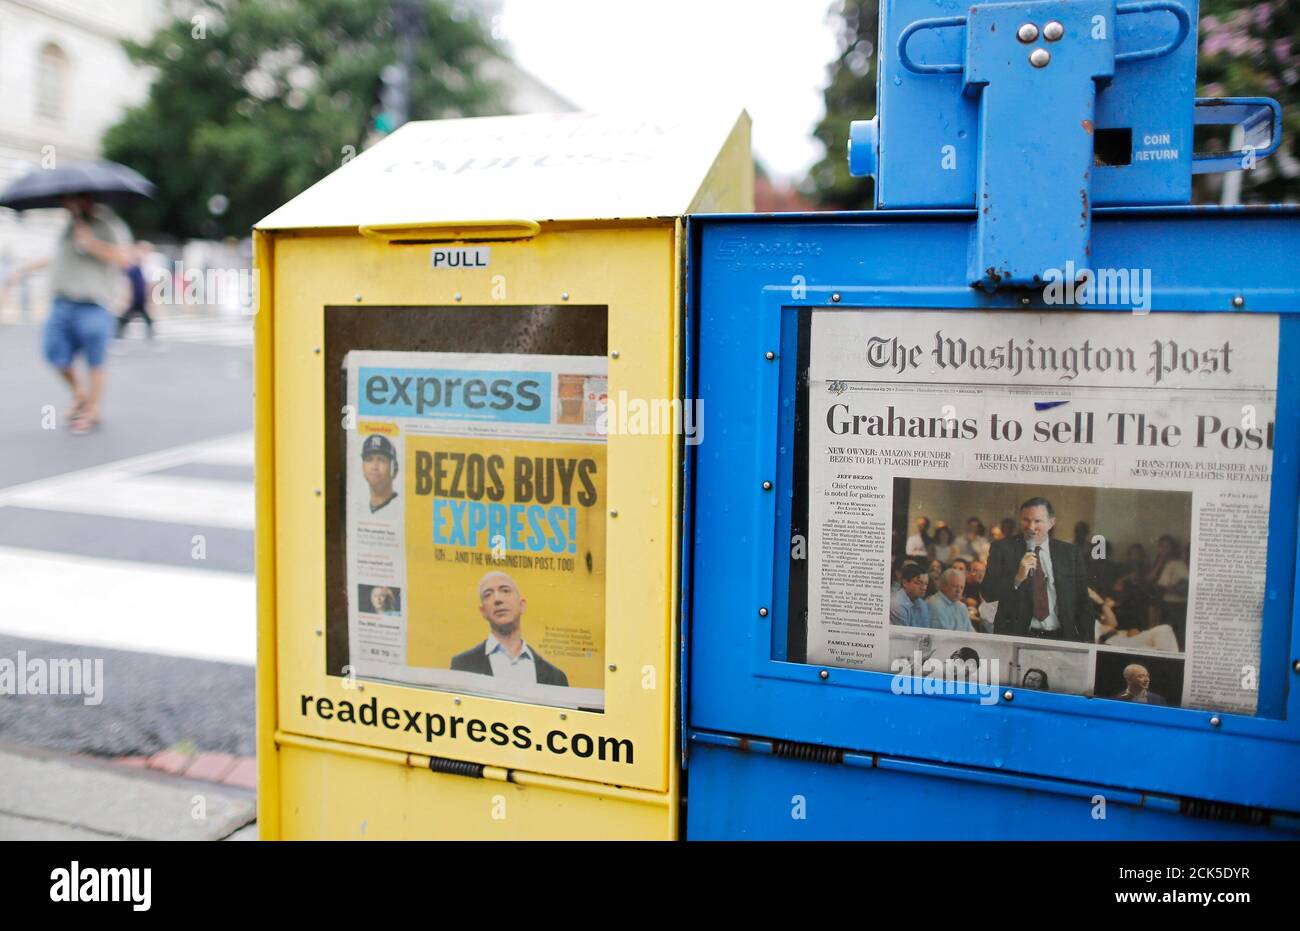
101,180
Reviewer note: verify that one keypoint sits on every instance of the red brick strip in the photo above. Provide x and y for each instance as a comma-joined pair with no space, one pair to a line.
171,761
240,771
210,767
244,773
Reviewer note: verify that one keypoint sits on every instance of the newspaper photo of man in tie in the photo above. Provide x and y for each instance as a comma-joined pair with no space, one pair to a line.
1040,583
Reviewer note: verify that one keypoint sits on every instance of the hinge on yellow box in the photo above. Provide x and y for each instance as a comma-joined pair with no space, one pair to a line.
440,764
1223,811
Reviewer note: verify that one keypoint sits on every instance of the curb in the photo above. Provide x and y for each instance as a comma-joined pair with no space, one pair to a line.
222,768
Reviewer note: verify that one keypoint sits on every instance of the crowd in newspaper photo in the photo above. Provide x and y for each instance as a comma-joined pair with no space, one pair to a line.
1017,578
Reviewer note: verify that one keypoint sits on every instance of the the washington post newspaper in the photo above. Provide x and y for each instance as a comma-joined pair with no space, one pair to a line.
1099,482
475,523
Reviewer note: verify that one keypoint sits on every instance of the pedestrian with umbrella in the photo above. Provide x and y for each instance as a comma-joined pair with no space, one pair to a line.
85,270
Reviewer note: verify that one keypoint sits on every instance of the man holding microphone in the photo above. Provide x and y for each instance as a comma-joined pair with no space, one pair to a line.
1040,583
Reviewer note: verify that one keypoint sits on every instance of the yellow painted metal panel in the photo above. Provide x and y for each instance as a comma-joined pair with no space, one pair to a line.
631,269
569,166
268,775
729,186
332,793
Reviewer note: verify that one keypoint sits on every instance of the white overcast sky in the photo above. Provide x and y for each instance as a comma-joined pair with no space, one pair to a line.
768,56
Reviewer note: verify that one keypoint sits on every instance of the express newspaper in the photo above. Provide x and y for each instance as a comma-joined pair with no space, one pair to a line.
469,475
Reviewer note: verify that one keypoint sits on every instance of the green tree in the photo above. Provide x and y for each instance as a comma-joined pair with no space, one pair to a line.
255,100
1250,50
850,95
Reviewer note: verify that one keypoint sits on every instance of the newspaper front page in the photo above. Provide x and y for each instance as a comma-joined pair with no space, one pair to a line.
1099,482
475,523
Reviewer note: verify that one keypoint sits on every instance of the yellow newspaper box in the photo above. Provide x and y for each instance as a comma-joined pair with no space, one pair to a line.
469,432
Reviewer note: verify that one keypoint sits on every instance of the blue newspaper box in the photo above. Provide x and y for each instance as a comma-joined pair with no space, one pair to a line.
1007,556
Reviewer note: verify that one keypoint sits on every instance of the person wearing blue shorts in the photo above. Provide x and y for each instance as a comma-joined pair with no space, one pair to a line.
85,275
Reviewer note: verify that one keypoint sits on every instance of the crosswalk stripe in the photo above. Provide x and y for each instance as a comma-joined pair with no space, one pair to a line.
173,499
221,331
235,449
178,611
155,609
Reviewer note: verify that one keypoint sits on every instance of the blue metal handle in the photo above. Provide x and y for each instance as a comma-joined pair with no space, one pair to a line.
1155,6
916,27
1250,113
1124,9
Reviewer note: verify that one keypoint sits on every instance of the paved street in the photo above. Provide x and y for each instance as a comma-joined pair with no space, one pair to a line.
193,385
133,544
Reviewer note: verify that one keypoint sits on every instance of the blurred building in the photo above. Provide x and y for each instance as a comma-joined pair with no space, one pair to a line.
523,92
64,79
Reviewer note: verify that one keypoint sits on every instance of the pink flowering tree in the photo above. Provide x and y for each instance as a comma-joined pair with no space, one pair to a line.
1253,50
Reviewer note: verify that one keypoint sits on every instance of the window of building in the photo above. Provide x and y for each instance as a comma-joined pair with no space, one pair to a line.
52,70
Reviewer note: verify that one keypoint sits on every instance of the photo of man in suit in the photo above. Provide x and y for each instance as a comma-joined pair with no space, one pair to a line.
1137,686
505,654
1040,583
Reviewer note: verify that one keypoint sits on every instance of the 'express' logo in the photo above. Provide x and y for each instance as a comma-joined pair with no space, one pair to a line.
458,394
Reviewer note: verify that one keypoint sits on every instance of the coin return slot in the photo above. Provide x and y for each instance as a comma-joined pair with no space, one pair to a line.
1112,147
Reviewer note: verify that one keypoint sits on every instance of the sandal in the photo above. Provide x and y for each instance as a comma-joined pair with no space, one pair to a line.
75,411
83,424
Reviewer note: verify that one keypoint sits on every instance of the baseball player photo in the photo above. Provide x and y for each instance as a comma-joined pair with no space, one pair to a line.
379,467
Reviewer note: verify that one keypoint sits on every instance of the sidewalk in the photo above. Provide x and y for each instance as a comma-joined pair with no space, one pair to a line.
52,796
